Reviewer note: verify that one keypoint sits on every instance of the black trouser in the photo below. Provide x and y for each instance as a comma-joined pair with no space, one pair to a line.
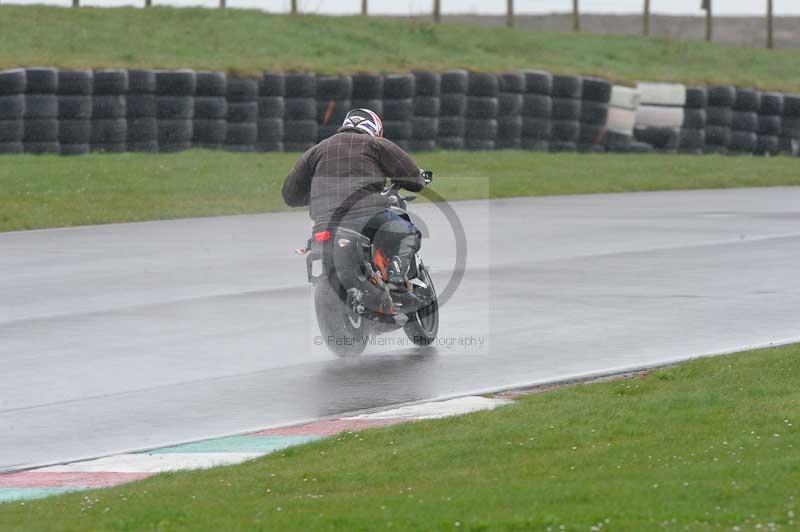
389,232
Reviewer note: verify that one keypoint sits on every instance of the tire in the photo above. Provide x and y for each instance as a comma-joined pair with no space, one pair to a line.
11,148
537,128
719,116
658,116
788,146
211,85
270,130
398,86
334,88
450,143
769,125
398,109
660,138
40,130
299,132
71,107
791,105
538,82
640,148
41,106
141,81
747,100
367,87
41,80
513,82
696,98
596,90
110,81
452,104
176,83
209,132
617,142
271,107
771,104
691,139
422,145
300,109
694,118
429,106
790,127
481,129
479,144
211,107
241,134
511,143
241,90
560,146
509,128
423,326
376,106
141,105
142,147
74,131
621,120
482,84
174,134
11,131
300,85
531,144
482,107
73,149
537,105
12,82
108,131
718,136
424,128
427,84
142,130
452,126
509,104
455,82
75,82
591,135
272,85
744,121
174,107
566,109
721,95
767,145
332,112
564,130
338,322
241,112
109,106
662,94
743,142
566,87
594,113
269,146
624,98
12,107
41,148
397,130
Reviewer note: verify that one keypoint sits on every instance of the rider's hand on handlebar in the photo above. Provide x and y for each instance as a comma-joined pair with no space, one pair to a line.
427,176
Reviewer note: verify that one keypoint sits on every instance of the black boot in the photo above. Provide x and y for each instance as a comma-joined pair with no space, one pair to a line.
400,287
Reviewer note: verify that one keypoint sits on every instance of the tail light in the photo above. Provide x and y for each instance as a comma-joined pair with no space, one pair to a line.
322,236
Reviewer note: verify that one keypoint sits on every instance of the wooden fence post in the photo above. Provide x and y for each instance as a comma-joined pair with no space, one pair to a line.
770,38
646,19
709,19
437,11
576,16
294,7
364,8
510,13
148,3
76,3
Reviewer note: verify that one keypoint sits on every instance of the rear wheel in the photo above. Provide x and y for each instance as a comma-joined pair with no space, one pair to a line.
423,325
344,331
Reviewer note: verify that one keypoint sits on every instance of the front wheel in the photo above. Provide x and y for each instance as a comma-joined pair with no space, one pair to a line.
343,330
423,325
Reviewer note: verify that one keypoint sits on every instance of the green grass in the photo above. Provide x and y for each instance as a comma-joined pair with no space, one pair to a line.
248,42
52,191
708,444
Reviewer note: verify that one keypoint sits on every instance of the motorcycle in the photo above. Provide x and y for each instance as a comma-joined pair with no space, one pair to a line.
352,298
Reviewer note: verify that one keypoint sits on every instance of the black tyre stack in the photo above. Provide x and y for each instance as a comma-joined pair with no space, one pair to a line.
509,110
719,118
692,136
537,108
398,108
271,107
12,110
566,113
789,142
74,111
368,92
142,134
483,104
175,109
334,100
210,128
452,110
40,130
769,123
427,106
595,95
109,111
744,123
242,129
300,129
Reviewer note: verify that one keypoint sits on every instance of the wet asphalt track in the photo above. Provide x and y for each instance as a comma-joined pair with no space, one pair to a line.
129,336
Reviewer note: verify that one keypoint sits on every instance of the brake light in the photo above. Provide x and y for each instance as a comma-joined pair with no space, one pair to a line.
322,236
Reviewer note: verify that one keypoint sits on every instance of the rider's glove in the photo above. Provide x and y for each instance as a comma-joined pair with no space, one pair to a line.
427,176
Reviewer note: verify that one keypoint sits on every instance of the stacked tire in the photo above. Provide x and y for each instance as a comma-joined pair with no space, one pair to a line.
452,110
509,110
595,97
142,134
334,100
621,119
790,125
427,106
769,124
40,129
537,109
210,127
241,130
109,132
175,109
398,108
719,118
483,104
692,137
566,113
744,124
271,107
74,111
368,92
660,115
300,114
12,110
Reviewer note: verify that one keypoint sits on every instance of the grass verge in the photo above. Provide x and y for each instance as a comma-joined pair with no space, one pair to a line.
52,191
248,42
707,444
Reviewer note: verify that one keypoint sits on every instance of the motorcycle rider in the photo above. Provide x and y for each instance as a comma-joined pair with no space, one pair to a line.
342,178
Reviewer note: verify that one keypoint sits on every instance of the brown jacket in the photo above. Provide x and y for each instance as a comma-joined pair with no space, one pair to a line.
345,174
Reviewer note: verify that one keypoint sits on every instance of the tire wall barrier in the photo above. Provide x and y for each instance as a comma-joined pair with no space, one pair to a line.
72,112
